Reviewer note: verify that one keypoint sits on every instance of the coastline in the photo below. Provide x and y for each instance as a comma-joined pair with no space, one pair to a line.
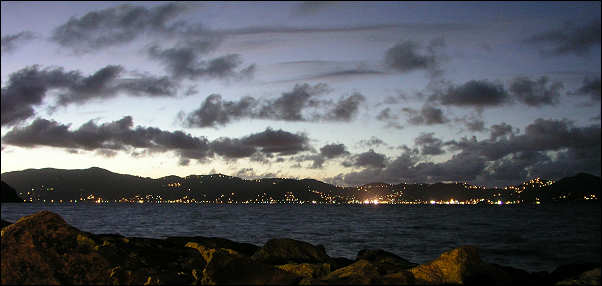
58,253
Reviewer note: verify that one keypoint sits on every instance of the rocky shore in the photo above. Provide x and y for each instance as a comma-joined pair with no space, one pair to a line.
44,249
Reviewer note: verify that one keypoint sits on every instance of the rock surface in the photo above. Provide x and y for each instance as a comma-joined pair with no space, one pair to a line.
44,249
286,250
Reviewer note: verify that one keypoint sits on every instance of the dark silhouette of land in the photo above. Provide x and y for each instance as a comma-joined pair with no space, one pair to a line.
9,195
94,183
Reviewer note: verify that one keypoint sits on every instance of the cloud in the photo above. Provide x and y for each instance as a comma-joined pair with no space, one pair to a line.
390,118
372,142
547,148
429,145
29,87
475,93
333,150
119,25
368,159
184,61
428,115
407,56
590,87
570,39
290,106
535,92
10,42
474,124
121,135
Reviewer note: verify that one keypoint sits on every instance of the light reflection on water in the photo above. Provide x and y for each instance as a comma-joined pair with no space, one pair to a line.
530,237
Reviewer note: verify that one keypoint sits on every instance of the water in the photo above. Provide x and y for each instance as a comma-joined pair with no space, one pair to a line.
530,237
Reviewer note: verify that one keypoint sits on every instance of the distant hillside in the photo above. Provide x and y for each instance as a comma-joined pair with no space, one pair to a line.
9,195
93,183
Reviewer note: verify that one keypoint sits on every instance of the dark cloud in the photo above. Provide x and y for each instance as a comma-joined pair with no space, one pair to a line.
570,39
10,42
475,124
290,106
548,148
333,150
429,145
474,93
368,159
119,25
590,87
392,119
535,92
428,115
408,56
500,130
184,61
372,142
121,135
28,87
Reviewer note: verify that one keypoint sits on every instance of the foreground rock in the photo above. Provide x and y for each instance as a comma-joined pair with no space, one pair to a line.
44,249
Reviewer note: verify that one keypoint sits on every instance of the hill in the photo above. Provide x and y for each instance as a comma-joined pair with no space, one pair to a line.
9,194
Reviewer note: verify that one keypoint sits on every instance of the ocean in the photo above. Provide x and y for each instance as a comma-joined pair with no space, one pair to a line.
530,237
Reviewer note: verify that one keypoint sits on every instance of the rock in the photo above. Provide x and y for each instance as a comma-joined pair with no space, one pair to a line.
386,262
400,278
361,272
285,250
306,269
43,249
246,249
590,277
452,267
226,268
339,262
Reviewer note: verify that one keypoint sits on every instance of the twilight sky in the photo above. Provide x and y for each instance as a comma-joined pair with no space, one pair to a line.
489,93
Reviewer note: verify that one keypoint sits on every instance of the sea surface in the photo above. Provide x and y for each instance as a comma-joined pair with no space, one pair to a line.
530,237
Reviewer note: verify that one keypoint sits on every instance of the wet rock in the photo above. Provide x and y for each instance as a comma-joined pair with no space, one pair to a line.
227,268
285,250
362,272
339,262
43,249
306,269
386,262
246,249
590,277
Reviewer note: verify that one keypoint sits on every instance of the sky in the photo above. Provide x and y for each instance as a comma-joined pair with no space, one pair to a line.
491,93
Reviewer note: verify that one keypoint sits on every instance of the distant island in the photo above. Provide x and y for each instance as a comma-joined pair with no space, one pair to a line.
102,186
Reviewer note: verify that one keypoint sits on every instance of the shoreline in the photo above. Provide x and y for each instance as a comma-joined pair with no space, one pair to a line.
59,252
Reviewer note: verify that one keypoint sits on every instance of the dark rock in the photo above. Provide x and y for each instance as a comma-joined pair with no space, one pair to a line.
246,249
386,262
362,272
452,267
339,262
569,271
285,250
228,268
307,270
8,194
43,249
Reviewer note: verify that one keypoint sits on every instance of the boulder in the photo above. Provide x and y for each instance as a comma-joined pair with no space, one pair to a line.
590,277
246,249
399,278
228,268
43,249
460,266
307,270
362,272
285,250
386,262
